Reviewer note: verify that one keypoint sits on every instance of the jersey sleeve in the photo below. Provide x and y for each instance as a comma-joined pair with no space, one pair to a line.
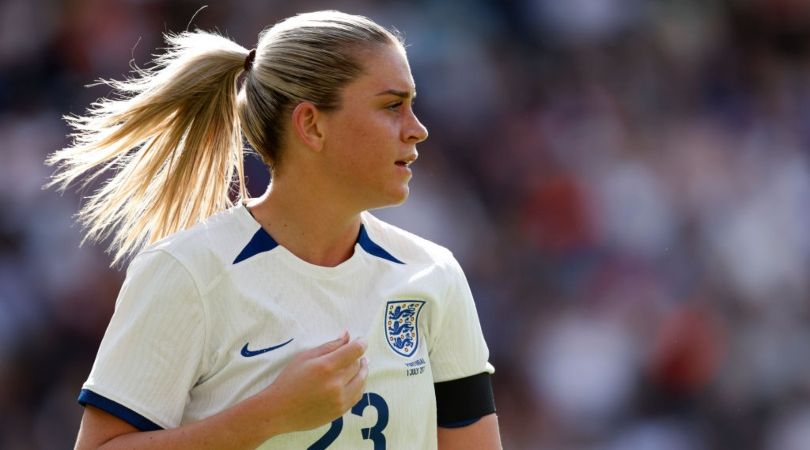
150,356
458,349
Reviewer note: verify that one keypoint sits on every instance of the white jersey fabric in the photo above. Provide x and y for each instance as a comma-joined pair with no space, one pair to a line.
210,316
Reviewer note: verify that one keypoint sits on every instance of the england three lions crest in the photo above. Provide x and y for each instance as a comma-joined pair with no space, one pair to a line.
402,325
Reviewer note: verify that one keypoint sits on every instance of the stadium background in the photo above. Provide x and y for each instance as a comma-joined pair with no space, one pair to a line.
626,183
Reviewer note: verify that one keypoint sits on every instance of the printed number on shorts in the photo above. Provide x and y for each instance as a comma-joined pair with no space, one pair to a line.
374,433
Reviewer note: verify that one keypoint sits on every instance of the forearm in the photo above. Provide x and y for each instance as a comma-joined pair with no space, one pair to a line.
246,425
317,386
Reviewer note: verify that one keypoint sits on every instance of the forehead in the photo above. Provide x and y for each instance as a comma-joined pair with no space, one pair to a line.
384,68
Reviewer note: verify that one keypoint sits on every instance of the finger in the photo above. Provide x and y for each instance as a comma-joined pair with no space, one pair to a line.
357,384
347,354
330,346
351,370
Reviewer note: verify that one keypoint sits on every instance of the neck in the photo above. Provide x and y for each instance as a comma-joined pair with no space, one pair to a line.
306,222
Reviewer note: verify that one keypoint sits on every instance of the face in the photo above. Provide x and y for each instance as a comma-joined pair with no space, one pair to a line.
371,138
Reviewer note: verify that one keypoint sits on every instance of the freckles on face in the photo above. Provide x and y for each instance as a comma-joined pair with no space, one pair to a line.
368,140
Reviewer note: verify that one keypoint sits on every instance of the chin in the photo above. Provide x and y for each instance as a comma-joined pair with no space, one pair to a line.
391,198
402,195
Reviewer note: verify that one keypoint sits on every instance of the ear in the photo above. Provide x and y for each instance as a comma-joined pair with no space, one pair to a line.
308,126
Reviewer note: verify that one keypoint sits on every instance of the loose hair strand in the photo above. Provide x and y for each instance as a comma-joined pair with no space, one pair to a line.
172,136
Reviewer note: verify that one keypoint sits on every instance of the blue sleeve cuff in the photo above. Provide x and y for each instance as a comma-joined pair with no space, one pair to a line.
460,423
88,397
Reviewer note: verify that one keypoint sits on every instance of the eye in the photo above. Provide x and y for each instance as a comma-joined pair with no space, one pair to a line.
394,106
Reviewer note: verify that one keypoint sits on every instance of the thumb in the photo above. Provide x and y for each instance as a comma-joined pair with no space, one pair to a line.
330,346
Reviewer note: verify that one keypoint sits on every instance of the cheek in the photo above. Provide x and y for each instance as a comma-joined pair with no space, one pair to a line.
368,146
353,158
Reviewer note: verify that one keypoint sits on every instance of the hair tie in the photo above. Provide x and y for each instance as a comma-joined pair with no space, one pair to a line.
249,60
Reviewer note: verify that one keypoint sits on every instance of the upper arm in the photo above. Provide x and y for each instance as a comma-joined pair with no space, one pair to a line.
461,371
483,435
457,345
99,427
153,350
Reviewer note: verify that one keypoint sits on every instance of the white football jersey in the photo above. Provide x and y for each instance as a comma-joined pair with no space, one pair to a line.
210,316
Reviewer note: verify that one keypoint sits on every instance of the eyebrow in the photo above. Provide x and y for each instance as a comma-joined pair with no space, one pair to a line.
401,94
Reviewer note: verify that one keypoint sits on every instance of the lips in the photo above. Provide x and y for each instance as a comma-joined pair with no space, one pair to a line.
408,160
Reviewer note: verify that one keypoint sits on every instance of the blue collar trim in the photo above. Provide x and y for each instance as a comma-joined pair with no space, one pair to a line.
262,242
259,243
372,248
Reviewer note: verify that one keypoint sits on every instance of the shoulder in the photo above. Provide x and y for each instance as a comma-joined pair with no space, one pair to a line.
405,245
206,249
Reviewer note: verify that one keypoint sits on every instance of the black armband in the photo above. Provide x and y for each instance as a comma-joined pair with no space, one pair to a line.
462,402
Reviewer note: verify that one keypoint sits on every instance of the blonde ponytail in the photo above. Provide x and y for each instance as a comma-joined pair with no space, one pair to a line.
172,136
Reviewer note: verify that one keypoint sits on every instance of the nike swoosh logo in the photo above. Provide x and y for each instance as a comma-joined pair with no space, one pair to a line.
248,353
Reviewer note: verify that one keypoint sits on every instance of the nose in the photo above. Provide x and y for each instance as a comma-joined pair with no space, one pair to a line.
414,132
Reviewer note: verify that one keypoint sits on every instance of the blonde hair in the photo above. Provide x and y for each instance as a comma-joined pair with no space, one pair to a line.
172,133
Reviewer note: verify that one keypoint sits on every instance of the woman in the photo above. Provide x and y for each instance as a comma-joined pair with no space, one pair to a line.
224,331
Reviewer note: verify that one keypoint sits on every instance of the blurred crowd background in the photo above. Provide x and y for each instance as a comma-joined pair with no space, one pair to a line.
626,183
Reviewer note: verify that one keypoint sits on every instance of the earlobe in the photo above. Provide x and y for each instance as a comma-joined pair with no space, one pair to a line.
308,126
